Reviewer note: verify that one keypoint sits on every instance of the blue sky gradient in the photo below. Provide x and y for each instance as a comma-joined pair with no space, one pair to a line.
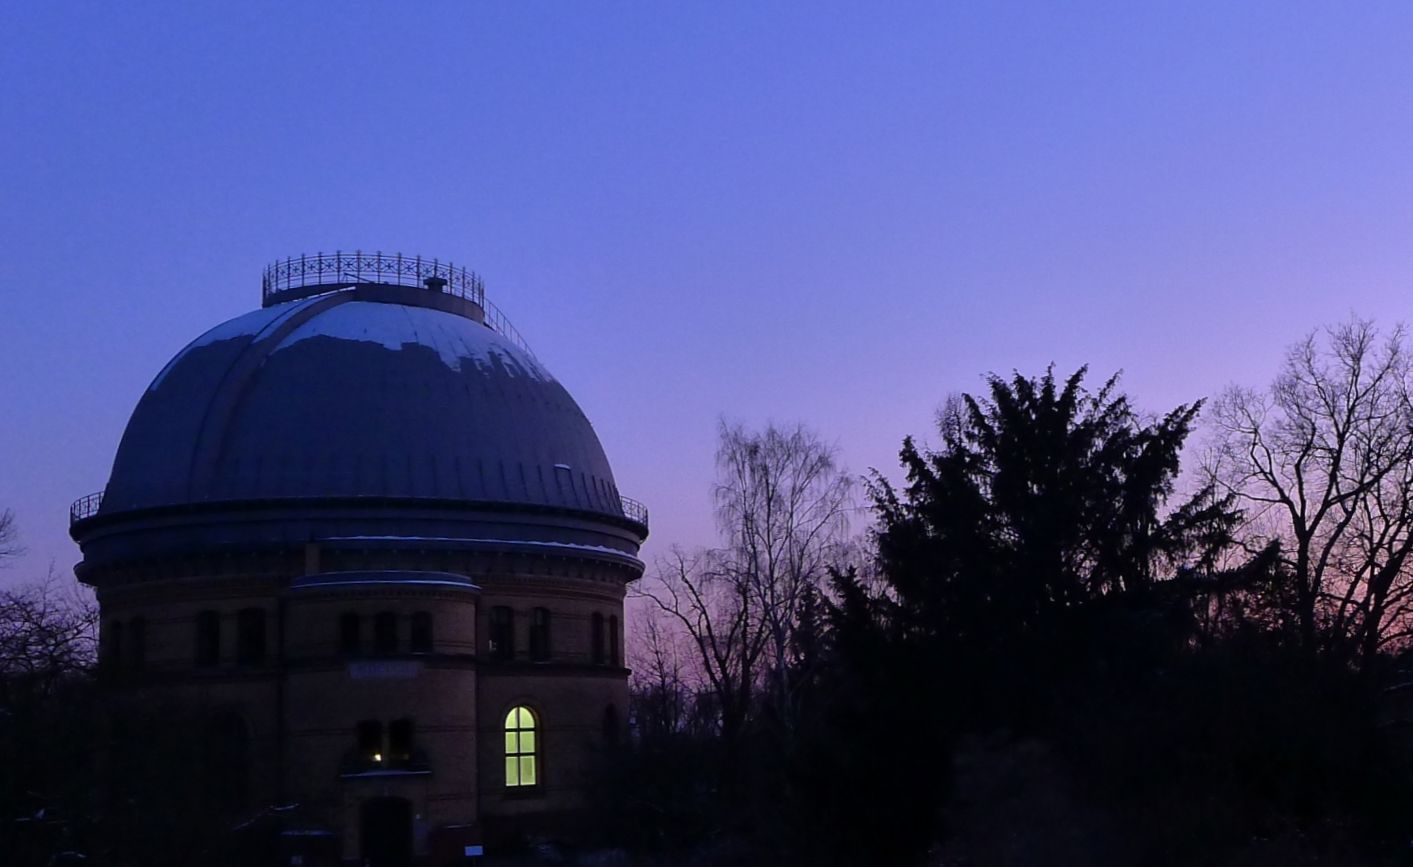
822,212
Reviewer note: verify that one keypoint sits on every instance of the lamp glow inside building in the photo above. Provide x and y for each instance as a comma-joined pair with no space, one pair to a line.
376,551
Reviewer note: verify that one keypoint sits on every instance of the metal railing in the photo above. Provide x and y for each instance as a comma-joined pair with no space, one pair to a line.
344,269
331,271
85,507
88,506
634,510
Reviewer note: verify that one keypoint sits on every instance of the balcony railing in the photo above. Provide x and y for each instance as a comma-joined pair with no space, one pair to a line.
88,506
85,507
634,510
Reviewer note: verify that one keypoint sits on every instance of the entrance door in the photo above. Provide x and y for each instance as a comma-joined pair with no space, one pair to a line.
386,832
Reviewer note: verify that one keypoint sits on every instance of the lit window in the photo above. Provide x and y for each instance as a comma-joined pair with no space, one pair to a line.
540,634
208,638
370,741
521,748
422,632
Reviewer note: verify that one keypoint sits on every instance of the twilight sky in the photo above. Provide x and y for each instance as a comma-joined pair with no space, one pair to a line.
820,212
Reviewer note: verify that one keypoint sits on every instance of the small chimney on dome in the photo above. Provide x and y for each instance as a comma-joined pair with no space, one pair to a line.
436,284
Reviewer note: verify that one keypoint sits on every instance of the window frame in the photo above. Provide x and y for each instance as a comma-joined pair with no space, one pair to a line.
385,637
421,635
513,723
540,634
208,638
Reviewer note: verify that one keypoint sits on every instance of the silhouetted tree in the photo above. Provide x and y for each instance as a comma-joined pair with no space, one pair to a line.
1043,500
1323,463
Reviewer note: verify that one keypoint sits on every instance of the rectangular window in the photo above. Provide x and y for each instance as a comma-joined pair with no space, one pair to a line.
137,643
400,740
250,636
370,741
422,632
596,642
502,632
350,641
385,632
540,634
208,638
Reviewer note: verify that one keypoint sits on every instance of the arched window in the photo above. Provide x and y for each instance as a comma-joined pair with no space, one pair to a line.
350,633
521,748
385,632
596,637
540,634
422,632
613,641
208,638
250,636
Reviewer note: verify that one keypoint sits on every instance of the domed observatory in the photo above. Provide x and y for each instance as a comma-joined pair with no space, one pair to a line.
376,552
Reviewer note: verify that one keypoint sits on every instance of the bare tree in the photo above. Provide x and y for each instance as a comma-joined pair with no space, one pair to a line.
47,633
714,612
1321,462
10,546
782,506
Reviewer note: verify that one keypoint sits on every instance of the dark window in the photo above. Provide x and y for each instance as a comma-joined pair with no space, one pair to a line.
502,632
137,643
250,636
350,642
208,638
385,632
540,634
226,763
400,740
370,741
422,632
115,643
596,638
611,725
613,641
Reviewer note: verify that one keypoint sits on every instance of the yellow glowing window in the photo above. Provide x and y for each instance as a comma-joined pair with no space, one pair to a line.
520,747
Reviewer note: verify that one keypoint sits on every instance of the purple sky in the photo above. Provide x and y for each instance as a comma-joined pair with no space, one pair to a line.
772,211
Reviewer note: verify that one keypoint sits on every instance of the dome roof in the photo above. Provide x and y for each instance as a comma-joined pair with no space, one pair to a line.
359,394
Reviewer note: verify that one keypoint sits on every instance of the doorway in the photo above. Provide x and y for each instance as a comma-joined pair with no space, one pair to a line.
385,830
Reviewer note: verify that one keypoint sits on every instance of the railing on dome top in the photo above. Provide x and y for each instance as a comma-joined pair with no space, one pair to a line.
87,507
634,510
335,270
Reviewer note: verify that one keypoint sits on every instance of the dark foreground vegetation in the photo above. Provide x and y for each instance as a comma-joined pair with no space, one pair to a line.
1056,645
1045,654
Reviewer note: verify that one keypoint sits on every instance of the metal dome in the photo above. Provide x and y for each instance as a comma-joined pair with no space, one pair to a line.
371,390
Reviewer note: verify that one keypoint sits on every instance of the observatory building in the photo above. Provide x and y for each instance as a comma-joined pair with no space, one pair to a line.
371,552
